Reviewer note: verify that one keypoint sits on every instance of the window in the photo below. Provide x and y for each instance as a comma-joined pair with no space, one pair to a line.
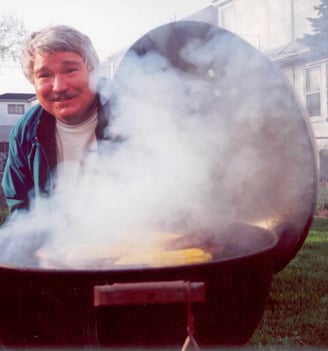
316,89
16,109
312,90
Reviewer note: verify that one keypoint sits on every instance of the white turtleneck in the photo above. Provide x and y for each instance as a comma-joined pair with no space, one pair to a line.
74,144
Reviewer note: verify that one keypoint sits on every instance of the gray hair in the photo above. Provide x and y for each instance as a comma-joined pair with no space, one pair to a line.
57,38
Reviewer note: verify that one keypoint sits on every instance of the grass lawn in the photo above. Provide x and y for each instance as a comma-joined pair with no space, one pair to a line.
297,309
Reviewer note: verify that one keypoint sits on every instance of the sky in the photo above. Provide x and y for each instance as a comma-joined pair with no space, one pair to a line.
112,25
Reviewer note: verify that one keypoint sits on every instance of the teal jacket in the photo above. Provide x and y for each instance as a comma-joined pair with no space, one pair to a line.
31,165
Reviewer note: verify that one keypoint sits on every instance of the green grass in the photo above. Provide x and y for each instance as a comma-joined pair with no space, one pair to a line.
296,313
297,310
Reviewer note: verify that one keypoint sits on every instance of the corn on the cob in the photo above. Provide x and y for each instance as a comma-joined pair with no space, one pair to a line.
167,258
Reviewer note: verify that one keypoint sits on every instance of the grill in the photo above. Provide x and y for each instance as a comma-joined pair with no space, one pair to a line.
261,185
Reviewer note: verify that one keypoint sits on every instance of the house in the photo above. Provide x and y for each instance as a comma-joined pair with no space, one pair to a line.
274,27
12,107
109,66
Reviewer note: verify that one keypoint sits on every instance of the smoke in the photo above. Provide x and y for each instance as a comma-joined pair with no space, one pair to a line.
203,145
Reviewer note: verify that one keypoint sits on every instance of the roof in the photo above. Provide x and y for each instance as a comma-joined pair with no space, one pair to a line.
293,53
18,96
293,48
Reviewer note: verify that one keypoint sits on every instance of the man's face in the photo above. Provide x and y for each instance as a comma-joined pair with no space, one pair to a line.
62,84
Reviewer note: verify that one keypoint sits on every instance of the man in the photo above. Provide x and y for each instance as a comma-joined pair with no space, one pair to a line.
56,135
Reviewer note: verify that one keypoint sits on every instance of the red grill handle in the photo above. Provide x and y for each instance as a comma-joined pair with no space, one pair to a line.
148,293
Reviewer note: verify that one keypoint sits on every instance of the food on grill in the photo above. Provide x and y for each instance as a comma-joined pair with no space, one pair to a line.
151,249
166,257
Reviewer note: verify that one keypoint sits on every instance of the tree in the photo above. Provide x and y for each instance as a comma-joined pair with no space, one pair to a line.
12,32
318,41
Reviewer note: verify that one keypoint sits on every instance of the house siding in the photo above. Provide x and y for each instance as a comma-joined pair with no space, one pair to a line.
270,24
261,23
8,120
273,26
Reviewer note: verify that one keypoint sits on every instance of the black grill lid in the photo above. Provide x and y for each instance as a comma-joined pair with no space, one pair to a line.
263,167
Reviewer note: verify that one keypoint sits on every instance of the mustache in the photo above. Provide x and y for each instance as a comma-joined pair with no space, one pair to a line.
61,96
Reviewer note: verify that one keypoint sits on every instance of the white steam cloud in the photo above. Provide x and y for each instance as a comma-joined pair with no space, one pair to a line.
218,145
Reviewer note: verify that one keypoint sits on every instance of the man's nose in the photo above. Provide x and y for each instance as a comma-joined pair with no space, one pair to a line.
59,83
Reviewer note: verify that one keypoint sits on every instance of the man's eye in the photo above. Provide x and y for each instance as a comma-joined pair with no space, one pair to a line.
43,75
71,70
